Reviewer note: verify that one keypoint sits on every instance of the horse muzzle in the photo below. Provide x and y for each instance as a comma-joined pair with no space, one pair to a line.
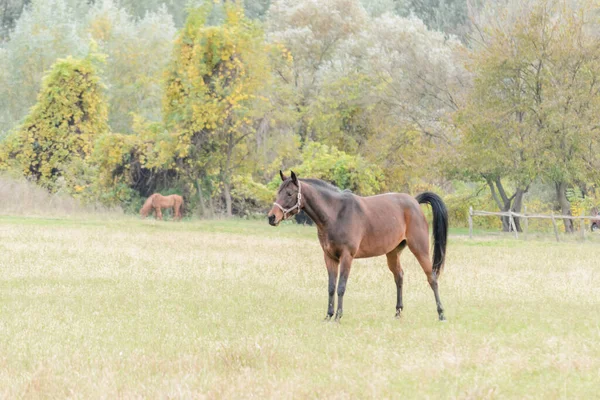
273,220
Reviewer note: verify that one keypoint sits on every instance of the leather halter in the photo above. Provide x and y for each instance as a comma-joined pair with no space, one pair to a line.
298,205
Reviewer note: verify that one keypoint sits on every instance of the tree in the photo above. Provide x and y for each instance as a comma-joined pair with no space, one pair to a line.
137,52
10,10
417,81
45,32
389,95
449,16
571,96
130,166
383,87
313,32
531,110
212,88
499,139
377,8
61,128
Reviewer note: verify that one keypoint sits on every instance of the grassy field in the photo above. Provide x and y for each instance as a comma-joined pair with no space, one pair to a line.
231,309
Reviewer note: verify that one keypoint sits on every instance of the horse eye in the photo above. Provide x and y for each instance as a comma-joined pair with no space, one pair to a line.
289,194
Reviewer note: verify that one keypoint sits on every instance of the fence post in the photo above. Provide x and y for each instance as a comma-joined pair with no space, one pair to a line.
526,221
555,228
512,223
471,222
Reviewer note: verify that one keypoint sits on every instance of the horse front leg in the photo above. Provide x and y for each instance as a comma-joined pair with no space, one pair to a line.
332,271
158,213
345,265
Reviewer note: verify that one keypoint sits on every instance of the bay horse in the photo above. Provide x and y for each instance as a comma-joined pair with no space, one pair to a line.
350,226
157,202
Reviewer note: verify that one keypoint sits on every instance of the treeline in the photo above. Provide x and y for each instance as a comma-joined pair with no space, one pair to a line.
211,101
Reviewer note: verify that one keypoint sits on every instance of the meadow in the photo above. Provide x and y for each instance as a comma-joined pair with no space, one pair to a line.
122,308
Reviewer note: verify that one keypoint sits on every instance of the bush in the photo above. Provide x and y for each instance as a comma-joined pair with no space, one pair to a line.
343,170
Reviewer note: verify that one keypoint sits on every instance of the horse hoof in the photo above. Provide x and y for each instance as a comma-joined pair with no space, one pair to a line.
327,318
443,319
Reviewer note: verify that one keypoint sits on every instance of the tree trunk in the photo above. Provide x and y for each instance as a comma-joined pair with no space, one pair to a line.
206,201
506,203
226,174
565,206
517,206
499,202
201,197
227,195
211,207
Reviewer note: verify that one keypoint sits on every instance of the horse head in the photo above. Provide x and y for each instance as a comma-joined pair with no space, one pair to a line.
288,201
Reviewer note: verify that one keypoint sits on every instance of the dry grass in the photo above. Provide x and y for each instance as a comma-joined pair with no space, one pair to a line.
230,309
20,197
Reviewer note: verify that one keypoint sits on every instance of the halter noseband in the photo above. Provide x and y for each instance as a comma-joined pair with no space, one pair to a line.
298,203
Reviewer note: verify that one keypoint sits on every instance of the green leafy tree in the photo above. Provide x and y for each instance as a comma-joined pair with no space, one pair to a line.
314,33
45,32
531,113
10,10
570,97
417,81
449,16
137,53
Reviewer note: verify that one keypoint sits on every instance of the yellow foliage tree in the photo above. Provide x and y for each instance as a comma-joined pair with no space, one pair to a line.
212,95
61,128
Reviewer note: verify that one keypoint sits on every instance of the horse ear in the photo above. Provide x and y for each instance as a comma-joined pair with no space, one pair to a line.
283,178
294,178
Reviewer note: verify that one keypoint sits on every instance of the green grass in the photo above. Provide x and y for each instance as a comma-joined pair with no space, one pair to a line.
232,309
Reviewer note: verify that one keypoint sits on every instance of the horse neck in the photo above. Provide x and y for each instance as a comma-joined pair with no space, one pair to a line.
148,202
320,205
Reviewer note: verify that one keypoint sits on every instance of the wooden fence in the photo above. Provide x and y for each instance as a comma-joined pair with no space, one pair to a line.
512,215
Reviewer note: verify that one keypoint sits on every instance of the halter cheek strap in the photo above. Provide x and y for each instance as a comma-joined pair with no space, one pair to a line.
298,205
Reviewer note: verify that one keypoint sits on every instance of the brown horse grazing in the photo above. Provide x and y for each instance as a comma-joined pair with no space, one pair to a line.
157,202
351,226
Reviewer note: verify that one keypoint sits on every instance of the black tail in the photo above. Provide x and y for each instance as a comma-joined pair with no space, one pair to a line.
440,227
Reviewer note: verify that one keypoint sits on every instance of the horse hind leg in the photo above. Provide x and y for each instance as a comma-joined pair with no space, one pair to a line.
393,261
180,211
420,248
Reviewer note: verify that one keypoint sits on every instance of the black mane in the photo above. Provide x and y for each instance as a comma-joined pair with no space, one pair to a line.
323,184
316,182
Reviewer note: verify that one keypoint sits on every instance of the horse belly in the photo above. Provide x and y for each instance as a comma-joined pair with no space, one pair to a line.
386,226
379,242
377,249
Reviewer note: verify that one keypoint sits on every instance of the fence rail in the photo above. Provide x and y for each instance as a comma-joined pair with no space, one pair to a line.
512,215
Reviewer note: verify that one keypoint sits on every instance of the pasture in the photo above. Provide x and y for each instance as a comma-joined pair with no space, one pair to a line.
126,308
